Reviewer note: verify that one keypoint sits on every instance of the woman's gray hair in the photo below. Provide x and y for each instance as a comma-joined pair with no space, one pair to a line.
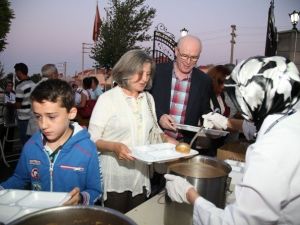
130,64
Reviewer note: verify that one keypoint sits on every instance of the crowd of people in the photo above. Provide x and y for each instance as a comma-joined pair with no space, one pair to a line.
96,164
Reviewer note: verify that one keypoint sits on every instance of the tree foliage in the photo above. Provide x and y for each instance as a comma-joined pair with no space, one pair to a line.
124,29
6,15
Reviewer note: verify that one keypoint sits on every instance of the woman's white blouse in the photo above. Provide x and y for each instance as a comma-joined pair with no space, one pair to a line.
121,118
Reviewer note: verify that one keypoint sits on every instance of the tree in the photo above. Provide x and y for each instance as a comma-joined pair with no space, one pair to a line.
125,27
1,70
6,15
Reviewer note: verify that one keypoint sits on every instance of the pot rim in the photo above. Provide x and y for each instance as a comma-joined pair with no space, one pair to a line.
70,208
207,160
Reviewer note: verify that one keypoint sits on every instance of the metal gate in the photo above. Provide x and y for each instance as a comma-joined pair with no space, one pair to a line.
163,44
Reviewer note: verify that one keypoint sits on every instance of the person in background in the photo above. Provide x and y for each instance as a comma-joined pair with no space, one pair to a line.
9,104
96,87
23,104
232,122
61,147
9,113
87,83
10,95
86,95
49,71
181,92
266,91
218,75
217,102
122,119
77,93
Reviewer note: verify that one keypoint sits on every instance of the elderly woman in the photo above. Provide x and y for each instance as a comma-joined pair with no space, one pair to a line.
266,91
122,118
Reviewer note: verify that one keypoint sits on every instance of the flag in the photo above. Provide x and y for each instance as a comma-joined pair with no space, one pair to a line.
97,25
271,39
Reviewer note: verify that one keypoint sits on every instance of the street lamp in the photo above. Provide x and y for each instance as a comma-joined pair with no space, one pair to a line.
294,18
184,32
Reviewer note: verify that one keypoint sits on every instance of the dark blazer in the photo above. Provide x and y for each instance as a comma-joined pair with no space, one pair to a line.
199,96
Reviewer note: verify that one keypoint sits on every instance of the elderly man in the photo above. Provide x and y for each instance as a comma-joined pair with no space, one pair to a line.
49,71
181,91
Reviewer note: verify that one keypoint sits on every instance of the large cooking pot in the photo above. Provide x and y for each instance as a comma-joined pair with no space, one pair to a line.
210,178
75,215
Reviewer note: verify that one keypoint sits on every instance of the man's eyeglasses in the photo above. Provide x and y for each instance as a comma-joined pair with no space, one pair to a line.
186,57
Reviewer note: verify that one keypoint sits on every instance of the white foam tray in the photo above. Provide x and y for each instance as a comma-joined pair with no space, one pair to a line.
17,203
205,131
159,153
187,127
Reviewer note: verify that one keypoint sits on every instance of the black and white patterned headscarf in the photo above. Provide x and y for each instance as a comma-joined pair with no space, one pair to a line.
264,85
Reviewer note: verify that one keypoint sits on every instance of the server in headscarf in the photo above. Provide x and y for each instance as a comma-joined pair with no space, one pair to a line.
267,91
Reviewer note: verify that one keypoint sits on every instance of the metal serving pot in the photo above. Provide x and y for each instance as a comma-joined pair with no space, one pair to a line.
210,178
75,215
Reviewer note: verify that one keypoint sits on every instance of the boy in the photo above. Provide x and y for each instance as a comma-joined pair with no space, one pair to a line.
59,157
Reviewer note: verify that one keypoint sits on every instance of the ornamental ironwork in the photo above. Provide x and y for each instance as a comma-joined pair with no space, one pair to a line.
163,44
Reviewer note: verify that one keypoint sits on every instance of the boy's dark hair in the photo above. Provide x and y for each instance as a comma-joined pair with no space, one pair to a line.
54,90
21,67
87,82
95,80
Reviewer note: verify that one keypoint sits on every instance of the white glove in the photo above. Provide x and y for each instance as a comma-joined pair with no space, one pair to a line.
215,120
177,188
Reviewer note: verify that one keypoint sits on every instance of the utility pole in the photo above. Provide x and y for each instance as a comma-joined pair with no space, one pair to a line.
233,35
65,69
64,65
85,46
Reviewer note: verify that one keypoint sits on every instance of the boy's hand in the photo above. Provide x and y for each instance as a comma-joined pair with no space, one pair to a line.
123,152
75,198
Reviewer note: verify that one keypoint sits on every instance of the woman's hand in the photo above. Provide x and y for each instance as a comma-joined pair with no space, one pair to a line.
169,139
123,152
75,198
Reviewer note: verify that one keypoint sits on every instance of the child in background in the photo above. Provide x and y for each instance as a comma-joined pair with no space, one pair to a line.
60,157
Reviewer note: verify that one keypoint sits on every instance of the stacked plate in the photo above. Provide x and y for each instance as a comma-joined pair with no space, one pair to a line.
17,203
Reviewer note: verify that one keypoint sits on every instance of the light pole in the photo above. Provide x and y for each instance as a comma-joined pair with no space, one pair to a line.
184,32
85,46
64,65
294,18
232,41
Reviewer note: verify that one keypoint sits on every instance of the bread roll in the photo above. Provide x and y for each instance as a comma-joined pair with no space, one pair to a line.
183,148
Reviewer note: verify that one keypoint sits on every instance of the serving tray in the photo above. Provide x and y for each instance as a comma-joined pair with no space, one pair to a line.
159,153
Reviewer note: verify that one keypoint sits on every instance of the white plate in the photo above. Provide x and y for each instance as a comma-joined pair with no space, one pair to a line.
214,132
43,199
159,153
2,192
17,203
187,127
12,196
7,213
24,212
